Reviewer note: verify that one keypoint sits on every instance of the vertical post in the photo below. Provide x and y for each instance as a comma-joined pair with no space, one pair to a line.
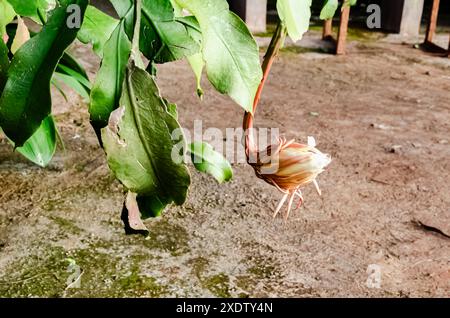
327,29
411,16
431,29
256,15
253,12
343,29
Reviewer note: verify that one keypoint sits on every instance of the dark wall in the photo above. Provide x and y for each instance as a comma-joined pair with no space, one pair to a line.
391,15
104,5
444,12
238,7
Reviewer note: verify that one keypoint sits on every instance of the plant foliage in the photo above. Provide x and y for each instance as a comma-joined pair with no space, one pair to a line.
137,127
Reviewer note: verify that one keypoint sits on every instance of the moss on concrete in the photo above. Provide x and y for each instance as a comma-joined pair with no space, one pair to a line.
167,237
136,284
218,284
264,268
199,265
65,224
246,283
103,275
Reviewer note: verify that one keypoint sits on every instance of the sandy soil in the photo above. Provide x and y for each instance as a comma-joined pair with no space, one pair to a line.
382,112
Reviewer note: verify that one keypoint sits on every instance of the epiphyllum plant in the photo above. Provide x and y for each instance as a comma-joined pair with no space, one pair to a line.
135,125
287,165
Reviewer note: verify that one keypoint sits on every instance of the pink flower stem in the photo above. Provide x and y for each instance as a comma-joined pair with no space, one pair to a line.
272,51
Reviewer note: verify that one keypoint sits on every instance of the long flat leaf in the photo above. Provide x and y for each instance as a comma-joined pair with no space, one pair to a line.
77,76
206,159
41,147
69,62
295,14
26,98
107,88
329,9
175,40
197,64
22,35
72,83
29,8
229,50
7,14
124,8
58,87
71,73
97,29
349,3
139,145
4,65
195,61
151,206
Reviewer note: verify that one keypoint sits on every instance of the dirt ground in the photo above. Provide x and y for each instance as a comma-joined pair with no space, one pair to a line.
382,112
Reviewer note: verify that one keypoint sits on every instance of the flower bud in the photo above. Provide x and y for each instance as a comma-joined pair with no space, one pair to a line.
290,166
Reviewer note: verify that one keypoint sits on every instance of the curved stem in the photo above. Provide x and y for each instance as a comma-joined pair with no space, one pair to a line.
272,51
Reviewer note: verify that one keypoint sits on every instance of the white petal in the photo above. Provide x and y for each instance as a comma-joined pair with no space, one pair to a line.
311,141
319,192
283,199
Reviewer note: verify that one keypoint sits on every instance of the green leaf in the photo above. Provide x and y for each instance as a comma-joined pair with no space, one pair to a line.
139,145
329,9
163,38
172,109
29,8
76,76
71,62
21,37
151,206
73,83
4,65
229,50
196,61
58,87
177,9
7,14
173,35
349,3
124,8
71,73
107,88
192,27
41,147
97,29
197,64
26,98
69,65
206,159
295,14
